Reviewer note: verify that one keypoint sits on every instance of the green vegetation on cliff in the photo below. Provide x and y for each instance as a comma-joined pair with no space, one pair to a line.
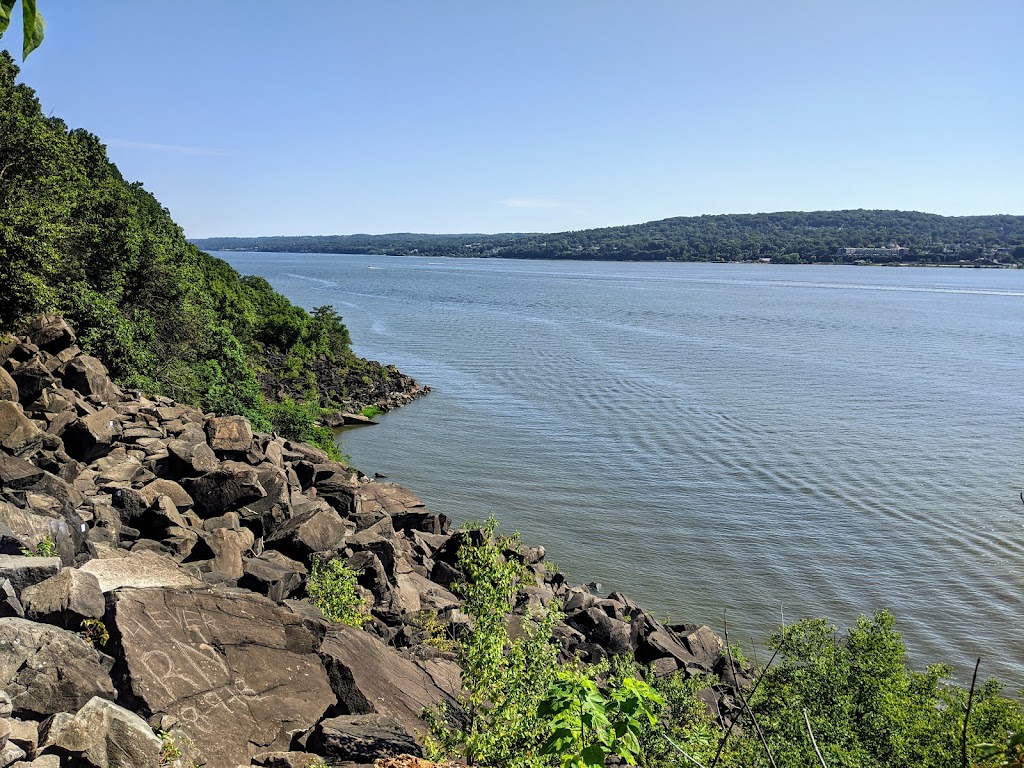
166,318
787,237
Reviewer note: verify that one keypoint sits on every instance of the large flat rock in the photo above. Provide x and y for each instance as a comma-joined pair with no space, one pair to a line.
238,673
370,678
138,569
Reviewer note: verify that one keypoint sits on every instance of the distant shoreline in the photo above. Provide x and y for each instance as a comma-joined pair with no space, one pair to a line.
958,265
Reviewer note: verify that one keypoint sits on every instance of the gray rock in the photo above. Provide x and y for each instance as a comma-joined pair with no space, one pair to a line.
25,571
228,488
10,605
18,434
369,677
103,735
138,569
191,458
92,436
46,669
314,530
272,574
16,473
238,673
20,528
25,734
6,707
169,488
361,739
50,333
286,759
89,376
10,753
229,433
65,599
8,387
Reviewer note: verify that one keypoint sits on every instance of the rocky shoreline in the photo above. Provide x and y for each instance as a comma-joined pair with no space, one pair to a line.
153,570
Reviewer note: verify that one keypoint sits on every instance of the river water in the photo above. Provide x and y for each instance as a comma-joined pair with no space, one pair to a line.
749,441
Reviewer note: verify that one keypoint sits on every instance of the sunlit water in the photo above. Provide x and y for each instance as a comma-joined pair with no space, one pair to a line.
749,440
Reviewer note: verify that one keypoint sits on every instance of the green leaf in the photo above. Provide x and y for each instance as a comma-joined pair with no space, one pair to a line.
593,756
5,14
33,26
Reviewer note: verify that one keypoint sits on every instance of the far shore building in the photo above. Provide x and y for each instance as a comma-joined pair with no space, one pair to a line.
892,251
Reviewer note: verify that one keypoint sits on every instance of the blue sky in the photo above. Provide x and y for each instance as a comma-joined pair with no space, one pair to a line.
324,117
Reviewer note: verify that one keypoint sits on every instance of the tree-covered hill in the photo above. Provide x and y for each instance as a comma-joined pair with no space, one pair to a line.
795,237
166,318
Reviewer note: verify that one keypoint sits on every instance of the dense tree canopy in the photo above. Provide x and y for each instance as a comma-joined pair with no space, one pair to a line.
788,237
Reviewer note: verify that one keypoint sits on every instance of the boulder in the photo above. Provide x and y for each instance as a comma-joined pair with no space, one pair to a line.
21,528
361,739
47,670
239,674
92,436
138,569
10,754
191,458
89,376
65,599
17,473
8,387
25,734
51,333
702,642
369,677
18,434
25,571
314,530
227,547
228,488
10,605
286,759
103,735
32,378
169,488
229,433
272,574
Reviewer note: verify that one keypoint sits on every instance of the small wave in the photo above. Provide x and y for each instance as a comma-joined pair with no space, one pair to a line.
317,280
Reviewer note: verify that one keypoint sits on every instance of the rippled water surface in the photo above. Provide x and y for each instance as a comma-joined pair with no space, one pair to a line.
754,439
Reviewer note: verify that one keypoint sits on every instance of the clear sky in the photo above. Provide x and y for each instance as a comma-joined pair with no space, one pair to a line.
250,117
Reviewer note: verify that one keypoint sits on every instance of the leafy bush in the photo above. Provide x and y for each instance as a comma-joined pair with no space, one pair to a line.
332,589
864,706
497,721
45,547
591,724
95,631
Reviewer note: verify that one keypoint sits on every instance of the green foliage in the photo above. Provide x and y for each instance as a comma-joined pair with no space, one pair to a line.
1006,755
736,653
370,411
505,680
864,705
169,750
45,547
590,724
332,589
438,633
95,631
787,236
33,26
685,726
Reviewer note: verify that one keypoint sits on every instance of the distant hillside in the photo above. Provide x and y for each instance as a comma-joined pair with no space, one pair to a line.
795,237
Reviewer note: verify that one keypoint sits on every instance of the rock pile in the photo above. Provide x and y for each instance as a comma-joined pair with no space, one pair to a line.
153,565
